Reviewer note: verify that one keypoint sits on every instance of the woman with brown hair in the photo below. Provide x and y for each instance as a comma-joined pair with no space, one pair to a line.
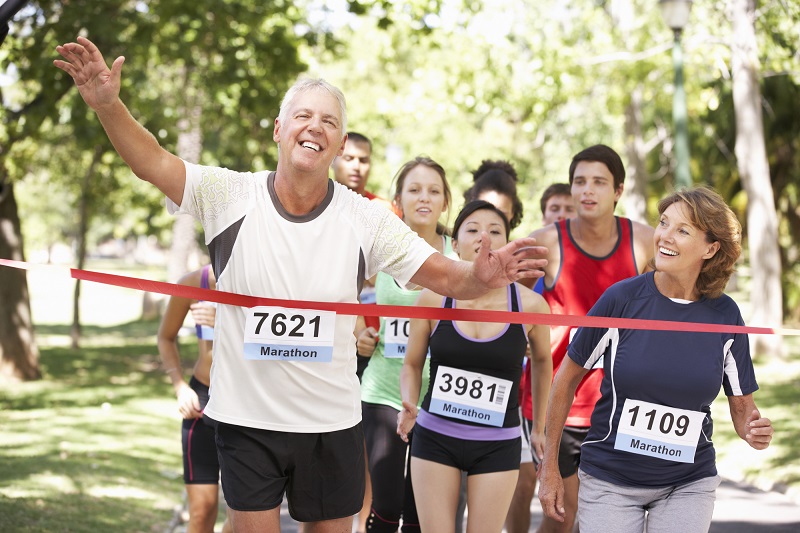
648,460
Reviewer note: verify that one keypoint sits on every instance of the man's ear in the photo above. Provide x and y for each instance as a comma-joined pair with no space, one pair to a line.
341,147
618,192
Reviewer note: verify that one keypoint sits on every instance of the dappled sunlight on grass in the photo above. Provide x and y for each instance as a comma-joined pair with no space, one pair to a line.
94,445
777,467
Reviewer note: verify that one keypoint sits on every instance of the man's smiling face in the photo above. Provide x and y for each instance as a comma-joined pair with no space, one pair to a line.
311,136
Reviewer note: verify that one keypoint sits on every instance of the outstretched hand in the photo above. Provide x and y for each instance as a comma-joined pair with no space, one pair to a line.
518,259
99,86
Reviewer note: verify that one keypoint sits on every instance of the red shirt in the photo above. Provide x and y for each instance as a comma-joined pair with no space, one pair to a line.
580,282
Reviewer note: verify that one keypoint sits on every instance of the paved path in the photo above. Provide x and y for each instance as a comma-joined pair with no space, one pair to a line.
740,508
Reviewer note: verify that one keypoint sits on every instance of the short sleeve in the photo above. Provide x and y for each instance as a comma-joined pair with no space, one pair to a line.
217,197
396,249
739,378
589,344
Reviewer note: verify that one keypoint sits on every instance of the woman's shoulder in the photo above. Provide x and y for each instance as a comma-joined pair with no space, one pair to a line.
428,298
532,302
725,305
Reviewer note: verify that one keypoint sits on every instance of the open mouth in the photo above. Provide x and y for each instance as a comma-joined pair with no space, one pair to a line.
667,251
311,146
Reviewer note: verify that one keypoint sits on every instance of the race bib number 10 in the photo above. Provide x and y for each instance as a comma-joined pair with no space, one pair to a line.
395,337
470,396
281,334
659,431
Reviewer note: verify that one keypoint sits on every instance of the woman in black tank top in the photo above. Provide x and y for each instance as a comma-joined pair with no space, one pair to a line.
469,418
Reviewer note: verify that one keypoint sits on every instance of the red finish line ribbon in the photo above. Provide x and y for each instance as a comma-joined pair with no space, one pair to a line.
401,311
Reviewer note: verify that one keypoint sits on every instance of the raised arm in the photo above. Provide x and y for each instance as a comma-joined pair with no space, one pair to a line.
99,87
491,269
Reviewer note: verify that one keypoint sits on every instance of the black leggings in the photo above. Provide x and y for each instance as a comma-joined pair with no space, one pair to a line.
392,494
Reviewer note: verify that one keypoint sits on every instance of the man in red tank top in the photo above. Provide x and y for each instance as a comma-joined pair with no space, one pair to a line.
588,254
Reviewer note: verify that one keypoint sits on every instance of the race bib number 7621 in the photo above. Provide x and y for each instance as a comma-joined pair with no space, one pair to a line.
281,334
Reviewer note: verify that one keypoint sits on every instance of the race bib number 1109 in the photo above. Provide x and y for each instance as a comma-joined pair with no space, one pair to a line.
281,334
659,431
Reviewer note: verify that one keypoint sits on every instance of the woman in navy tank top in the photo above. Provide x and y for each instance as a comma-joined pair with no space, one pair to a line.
469,417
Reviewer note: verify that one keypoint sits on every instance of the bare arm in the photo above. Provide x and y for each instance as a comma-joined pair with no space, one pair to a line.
748,422
171,323
541,369
547,237
99,87
413,364
643,246
491,269
562,394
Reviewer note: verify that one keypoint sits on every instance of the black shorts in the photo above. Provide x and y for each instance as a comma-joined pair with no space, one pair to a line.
569,450
322,474
471,456
200,462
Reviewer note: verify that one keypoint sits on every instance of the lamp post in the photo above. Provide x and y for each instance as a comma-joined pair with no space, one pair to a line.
676,15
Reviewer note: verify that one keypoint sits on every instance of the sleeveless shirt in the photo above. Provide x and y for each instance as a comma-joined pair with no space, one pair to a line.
579,283
499,356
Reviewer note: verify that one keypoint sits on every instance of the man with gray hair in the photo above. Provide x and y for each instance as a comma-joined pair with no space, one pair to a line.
284,393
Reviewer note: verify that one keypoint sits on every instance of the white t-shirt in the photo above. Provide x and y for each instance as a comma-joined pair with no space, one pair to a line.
259,249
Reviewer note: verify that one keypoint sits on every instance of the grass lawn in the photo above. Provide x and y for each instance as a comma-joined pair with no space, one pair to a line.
777,467
95,445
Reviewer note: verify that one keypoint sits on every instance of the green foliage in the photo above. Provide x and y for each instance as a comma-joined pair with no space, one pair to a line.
459,80
233,60
531,83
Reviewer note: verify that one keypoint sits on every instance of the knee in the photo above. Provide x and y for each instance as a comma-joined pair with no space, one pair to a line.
202,509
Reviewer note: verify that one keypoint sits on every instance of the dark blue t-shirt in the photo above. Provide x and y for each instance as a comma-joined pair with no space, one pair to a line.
681,370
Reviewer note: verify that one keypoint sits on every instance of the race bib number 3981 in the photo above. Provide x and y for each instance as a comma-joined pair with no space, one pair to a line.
281,334
470,396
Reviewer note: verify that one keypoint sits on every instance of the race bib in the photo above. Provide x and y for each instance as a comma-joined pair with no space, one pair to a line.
659,431
395,337
368,295
470,396
205,333
281,334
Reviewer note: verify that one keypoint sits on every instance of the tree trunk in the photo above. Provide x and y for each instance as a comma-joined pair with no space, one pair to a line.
751,155
19,356
83,228
635,196
184,235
